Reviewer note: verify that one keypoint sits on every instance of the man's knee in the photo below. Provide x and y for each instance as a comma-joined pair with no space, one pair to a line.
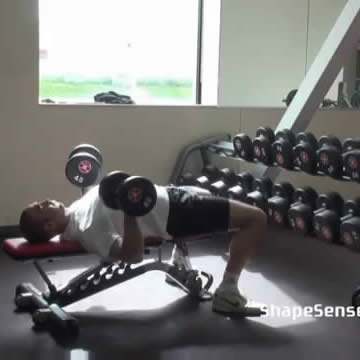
244,215
260,218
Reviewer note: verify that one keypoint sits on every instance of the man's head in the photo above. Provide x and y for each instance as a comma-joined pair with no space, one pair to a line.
41,221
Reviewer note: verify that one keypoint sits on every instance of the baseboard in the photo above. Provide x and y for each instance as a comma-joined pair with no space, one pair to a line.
11,231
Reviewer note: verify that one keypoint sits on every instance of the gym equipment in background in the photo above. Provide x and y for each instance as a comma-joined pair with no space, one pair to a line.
282,149
279,203
329,208
329,157
301,211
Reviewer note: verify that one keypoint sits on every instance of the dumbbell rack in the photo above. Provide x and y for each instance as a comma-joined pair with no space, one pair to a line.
223,146
227,148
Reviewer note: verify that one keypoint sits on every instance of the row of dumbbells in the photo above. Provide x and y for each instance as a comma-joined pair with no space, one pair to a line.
303,152
135,195
327,216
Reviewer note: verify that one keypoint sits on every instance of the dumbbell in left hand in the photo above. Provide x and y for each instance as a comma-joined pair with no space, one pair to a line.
135,195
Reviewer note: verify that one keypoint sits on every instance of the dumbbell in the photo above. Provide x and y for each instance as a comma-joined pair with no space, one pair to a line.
282,149
262,145
210,173
243,147
187,179
305,149
329,208
290,96
135,195
226,180
279,203
329,157
350,144
83,167
351,159
261,192
55,317
244,186
350,225
301,211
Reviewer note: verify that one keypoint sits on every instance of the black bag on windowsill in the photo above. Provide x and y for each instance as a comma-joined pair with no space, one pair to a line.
111,97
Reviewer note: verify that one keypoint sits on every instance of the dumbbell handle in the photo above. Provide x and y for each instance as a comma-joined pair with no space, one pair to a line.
347,217
300,203
320,210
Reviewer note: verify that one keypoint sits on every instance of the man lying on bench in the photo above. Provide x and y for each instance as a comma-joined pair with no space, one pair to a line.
101,223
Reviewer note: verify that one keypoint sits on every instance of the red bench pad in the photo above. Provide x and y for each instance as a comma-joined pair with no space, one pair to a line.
20,248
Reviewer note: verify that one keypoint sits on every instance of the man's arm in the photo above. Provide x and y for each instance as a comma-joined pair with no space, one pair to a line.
130,248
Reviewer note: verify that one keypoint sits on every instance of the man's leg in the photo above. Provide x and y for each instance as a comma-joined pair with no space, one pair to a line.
247,225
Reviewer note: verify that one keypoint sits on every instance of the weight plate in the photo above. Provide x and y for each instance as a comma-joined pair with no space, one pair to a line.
137,196
109,188
82,170
91,149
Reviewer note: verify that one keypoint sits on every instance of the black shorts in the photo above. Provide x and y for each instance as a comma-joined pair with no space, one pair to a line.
193,214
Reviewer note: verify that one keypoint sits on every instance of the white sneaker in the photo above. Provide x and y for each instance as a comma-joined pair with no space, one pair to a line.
229,302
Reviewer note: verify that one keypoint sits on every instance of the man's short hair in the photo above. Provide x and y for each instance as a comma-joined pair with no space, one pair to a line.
32,228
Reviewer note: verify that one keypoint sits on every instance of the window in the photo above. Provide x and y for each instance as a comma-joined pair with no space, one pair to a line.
147,49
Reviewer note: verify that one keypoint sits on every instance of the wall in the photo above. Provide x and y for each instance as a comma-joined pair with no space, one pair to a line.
266,47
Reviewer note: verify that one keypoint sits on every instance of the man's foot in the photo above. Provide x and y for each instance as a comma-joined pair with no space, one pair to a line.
229,302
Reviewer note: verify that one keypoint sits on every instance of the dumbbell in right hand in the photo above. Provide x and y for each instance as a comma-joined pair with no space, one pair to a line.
135,195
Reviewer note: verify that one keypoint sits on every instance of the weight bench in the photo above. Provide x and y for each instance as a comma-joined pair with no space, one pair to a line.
47,307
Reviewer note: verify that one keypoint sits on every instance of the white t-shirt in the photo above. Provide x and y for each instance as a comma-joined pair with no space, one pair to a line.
96,227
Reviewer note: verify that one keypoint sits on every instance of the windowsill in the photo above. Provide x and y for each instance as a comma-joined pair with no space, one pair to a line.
97,104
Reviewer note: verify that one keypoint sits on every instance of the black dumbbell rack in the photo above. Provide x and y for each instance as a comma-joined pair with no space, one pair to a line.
223,146
226,148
